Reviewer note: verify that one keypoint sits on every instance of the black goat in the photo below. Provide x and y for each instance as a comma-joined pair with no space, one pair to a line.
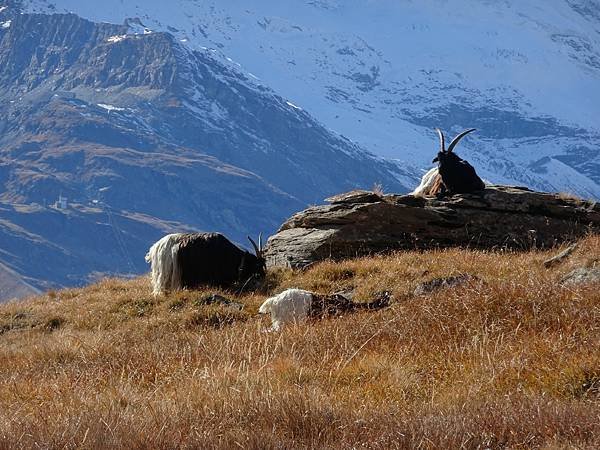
203,259
457,175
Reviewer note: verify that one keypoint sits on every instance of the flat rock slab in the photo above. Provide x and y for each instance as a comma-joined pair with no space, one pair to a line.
582,275
443,283
556,260
364,223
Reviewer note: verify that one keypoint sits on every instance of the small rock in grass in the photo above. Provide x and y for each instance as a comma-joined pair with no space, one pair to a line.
441,283
216,299
582,275
555,260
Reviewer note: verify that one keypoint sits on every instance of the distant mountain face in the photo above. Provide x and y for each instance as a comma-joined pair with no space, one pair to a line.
143,136
384,73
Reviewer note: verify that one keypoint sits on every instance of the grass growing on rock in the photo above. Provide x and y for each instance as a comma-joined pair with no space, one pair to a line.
511,359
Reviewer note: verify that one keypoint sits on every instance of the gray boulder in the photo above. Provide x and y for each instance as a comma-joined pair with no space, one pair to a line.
363,223
582,275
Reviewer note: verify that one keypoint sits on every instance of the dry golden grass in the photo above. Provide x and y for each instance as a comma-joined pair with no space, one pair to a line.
510,361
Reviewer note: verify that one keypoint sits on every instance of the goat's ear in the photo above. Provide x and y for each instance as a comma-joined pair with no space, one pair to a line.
458,138
256,248
436,159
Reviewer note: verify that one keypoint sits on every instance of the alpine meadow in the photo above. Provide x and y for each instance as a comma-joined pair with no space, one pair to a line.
300,224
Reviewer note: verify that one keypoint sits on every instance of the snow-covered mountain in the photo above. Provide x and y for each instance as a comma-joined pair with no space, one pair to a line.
385,72
144,136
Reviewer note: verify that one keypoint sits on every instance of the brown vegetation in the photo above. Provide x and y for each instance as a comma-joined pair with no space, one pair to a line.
511,359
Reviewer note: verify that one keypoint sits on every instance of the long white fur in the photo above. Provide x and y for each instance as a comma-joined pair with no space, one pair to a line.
166,274
292,305
426,183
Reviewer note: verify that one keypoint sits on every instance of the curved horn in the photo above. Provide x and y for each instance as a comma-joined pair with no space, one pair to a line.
256,248
260,247
442,143
458,138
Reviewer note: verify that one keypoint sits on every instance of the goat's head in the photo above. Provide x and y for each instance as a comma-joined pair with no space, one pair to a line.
447,155
261,263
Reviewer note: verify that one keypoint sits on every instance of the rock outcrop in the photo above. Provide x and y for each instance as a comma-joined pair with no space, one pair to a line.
582,276
361,223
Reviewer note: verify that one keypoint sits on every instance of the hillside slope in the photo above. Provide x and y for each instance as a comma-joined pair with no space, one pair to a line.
144,136
508,360
12,285
384,73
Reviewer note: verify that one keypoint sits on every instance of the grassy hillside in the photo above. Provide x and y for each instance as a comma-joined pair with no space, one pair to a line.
512,360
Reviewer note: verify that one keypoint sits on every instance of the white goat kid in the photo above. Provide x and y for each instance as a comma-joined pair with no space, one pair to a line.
292,305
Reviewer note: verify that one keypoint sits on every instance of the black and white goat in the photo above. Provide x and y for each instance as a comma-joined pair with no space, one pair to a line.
295,305
453,174
190,260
